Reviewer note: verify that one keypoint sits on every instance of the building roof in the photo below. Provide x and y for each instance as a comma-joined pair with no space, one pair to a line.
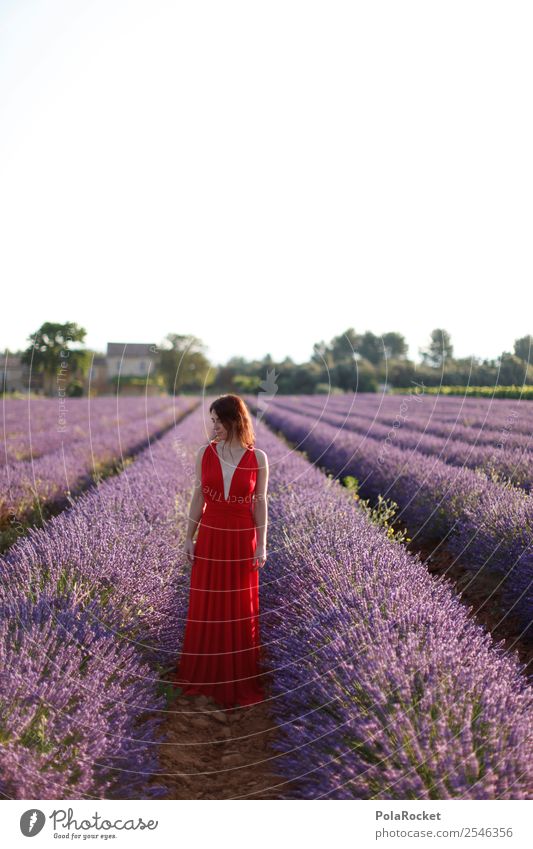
131,349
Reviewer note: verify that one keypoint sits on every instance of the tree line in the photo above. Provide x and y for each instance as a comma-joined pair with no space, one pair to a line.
351,361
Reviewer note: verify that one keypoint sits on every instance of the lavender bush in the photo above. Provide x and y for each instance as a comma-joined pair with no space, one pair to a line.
382,685
480,448
102,586
489,525
58,465
70,697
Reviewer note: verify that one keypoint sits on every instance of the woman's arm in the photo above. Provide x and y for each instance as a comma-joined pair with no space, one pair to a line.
197,501
260,502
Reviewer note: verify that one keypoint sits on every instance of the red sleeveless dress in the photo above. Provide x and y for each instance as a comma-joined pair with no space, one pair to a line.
221,647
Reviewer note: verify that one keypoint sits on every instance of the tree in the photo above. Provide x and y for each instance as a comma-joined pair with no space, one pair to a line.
51,355
183,364
395,346
523,348
512,370
246,383
342,347
322,354
371,348
240,363
355,376
439,349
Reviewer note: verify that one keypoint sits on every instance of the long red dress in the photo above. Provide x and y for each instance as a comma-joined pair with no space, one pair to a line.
221,647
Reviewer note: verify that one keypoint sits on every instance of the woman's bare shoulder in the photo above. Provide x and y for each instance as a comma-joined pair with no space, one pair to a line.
262,459
201,450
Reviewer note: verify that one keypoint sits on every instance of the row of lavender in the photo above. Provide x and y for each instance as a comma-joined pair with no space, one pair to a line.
489,526
66,463
479,420
91,609
33,427
494,445
382,685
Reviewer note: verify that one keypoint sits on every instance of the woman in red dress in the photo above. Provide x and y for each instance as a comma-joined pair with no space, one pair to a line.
221,646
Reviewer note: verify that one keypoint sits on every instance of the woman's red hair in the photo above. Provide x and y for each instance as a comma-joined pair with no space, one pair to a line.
234,415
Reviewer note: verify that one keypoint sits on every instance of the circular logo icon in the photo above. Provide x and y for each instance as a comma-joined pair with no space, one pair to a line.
31,822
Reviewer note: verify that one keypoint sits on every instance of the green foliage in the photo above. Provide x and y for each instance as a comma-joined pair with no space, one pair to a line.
50,353
246,383
439,350
382,513
75,389
326,389
183,364
525,393
523,348
351,483
34,734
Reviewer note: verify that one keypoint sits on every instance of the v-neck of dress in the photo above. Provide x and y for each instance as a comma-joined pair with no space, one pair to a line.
222,470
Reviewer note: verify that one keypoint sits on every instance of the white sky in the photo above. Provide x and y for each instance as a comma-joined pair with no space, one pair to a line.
266,175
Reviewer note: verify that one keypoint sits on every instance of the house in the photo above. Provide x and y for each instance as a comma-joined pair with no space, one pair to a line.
16,376
131,366
134,359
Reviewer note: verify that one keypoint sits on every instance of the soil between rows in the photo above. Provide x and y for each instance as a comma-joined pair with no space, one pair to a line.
207,752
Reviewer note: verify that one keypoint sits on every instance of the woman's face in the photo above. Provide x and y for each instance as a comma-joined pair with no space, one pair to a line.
218,427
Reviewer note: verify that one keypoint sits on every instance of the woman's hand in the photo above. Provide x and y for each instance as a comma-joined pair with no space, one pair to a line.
189,549
259,558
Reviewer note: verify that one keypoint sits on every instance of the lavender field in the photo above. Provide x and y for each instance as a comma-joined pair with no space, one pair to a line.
91,606
380,685
495,437
50,455
383,686
480,514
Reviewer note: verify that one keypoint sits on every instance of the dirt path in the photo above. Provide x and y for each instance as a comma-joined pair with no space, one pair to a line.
209,753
